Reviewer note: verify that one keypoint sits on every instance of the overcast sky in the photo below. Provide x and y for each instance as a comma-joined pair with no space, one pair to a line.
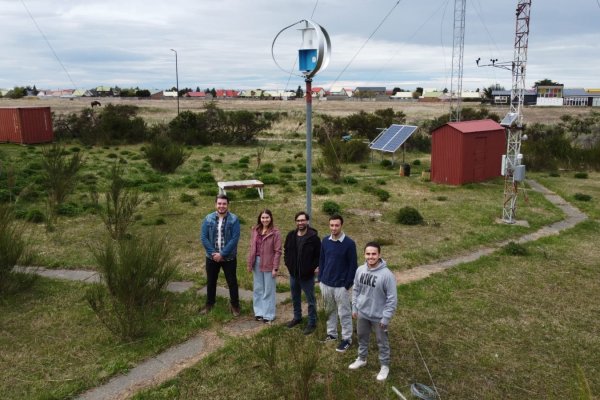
227,43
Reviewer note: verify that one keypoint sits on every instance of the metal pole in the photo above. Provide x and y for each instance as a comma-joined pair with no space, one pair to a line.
308,145
176,79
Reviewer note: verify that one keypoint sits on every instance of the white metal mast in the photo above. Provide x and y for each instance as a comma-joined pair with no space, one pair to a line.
458,47
513,170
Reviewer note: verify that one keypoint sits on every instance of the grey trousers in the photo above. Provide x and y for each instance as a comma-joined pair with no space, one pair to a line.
338,303
363,328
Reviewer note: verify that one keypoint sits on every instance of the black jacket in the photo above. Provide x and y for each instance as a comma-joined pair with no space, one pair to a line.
305,265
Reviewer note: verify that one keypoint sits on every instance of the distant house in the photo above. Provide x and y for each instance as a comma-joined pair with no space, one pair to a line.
105,91
550,95
226,94
279,94
502,97
369,91
318,92
196,95
431,96
402,96
82,93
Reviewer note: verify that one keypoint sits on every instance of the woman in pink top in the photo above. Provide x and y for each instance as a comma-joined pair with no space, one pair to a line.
263,260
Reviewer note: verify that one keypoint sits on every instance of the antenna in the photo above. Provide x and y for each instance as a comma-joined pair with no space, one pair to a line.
458,49
512,168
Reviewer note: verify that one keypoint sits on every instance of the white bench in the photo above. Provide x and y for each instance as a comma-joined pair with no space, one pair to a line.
251,183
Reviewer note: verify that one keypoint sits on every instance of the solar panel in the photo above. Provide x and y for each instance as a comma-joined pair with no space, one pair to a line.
392,138
384,137
509,119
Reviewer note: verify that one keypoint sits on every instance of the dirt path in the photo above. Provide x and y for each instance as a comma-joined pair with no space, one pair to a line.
168,364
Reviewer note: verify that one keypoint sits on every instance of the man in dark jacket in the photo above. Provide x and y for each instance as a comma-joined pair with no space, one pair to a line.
302,249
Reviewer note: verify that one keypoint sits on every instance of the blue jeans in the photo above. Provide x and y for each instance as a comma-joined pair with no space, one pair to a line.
264,293
307,286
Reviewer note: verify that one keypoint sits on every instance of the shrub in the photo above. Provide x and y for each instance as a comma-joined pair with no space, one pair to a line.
441,198
320,190
331,207
186,198
68,209
165,155
287,169
581,175
204,177
267,168
381,181
416,162
382,194
386,163
36,216
135,273
515,249
60,173
350,180
338,190
13,250
250,193
554,174
120,206
408,216
244,160
269,179
582,197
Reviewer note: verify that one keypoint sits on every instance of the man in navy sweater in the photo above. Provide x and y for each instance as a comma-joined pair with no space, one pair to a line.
337,267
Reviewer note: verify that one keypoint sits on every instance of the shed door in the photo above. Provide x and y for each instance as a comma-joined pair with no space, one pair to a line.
479,159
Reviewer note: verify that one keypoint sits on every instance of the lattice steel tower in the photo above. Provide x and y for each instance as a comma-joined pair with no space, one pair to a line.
458,47
513,170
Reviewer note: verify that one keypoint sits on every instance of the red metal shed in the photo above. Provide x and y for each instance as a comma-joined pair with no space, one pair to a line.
469,151
26,125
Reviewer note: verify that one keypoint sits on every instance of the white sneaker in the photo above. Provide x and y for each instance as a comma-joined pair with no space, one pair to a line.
358,363
383,373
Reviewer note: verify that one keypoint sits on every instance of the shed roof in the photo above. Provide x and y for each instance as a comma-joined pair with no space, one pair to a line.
482,125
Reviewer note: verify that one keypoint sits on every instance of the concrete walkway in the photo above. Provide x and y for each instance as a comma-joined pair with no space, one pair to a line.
573,217
168,364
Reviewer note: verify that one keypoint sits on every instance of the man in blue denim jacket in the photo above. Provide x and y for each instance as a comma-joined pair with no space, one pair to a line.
220,235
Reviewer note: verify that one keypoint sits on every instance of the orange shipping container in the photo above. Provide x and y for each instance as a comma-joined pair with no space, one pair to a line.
26,125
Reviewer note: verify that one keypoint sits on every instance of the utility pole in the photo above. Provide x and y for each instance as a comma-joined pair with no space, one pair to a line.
458,50
176,79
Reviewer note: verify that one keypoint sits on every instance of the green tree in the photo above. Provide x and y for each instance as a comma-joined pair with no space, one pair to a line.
17,92
299,92
121,204
546,82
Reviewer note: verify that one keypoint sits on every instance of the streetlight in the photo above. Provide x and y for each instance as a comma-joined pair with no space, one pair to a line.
176,79
313,56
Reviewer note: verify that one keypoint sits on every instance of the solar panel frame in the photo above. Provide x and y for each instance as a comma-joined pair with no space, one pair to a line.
392,138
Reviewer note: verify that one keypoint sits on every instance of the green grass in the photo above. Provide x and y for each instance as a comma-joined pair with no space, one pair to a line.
466,219
509,327
566,186
53,346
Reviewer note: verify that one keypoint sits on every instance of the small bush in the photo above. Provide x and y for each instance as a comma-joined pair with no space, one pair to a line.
382,195
554,174
165,155
515,249
13,250
416,162
267,168
337,190
320,190
186,198
205,178
381,181
287,169
408,216
36,216
269,179
441,198
135,272
250,193
68,209
384,241
582,197
350,180
331,207
581,175
244,160
386,163
121,204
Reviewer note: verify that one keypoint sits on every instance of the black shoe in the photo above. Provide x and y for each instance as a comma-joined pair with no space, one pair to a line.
309,329
258,318
294,322
267,322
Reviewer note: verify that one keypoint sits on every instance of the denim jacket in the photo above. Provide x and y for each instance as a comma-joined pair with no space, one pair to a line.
208,235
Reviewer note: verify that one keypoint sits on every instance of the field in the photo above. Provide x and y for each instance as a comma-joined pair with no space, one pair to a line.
505,326
164,110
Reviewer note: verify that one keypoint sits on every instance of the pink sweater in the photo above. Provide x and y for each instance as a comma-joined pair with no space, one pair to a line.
270,252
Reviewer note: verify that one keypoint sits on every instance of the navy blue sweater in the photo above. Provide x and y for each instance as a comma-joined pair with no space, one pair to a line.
337,263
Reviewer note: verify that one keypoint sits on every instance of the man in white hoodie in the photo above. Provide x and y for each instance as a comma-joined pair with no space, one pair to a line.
374,300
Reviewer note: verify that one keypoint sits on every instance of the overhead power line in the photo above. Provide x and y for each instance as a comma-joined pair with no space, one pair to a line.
49,45
365,43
